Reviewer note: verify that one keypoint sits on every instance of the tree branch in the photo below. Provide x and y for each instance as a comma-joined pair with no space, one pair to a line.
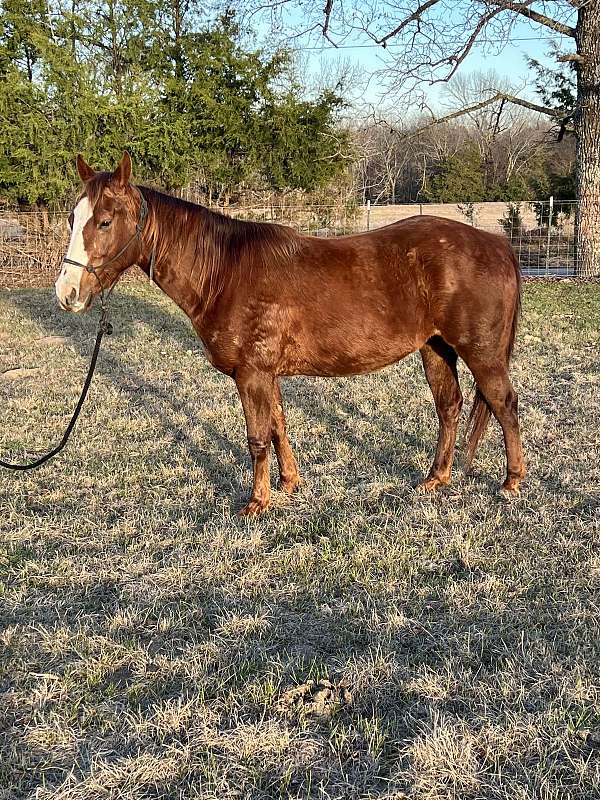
521,8
504,98
416,15
327,11
525,11
457,59
570,57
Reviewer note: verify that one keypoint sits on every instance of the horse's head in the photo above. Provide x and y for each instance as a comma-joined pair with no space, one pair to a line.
106,226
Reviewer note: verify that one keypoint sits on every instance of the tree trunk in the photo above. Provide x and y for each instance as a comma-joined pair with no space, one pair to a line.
587,128
44,219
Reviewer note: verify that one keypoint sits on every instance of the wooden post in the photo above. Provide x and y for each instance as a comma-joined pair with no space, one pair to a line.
550,210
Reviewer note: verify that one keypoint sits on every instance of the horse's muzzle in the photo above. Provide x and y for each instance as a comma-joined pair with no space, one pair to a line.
71,302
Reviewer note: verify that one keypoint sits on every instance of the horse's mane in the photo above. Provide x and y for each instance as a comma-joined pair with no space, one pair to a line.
220,247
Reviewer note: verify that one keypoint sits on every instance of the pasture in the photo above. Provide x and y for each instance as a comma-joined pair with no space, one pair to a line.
149,639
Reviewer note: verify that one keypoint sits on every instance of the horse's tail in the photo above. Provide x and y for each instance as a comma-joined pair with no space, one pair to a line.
479,417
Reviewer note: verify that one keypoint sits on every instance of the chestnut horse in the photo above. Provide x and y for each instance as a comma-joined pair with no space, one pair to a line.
268,301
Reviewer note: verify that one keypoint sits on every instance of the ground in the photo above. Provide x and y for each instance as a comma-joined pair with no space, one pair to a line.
153,645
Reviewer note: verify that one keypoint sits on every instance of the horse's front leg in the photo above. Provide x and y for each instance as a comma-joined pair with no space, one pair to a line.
256,393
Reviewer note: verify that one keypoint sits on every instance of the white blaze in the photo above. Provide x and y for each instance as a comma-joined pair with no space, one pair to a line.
70,275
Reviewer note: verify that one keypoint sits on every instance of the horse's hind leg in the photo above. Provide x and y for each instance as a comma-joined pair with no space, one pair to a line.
256,393
439,362
288,469
494,384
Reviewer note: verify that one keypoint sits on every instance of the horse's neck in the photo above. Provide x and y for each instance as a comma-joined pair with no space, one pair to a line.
179,275
166,276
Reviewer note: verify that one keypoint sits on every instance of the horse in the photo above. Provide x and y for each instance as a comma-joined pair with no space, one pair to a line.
268,302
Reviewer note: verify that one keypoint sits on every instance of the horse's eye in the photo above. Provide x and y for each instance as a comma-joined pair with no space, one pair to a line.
70,220
105,223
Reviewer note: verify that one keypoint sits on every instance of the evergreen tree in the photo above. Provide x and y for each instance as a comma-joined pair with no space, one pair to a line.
302,148
458,179
184,97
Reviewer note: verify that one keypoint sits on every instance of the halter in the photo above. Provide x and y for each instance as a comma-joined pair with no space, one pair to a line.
137,234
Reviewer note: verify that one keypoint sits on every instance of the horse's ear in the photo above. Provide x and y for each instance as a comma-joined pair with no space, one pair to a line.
122,174
84,169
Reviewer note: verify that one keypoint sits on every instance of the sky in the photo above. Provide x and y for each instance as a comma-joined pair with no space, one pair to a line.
508,62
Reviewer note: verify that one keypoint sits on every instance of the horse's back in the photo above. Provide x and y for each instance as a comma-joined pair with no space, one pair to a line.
402,283
421,257
353,304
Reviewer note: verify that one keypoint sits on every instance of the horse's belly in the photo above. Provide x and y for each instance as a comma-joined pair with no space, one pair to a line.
349,356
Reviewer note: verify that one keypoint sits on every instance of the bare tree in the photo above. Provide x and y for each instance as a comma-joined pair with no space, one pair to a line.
387,164
509,137
436,38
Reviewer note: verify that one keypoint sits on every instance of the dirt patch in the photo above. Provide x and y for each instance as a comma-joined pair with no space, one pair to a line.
52,340
318,699
18,374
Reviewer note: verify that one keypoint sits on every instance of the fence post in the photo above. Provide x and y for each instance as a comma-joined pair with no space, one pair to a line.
550,210
368,215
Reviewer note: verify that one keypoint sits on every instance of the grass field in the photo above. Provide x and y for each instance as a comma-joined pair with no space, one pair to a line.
149,639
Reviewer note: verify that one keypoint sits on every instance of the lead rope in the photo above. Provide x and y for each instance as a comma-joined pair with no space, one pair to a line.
104,327
152,263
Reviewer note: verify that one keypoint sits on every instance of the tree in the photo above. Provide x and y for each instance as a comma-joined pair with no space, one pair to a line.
557,87
300,144
502,156
159,79
380,163
458,178
509,138
438,35
38,125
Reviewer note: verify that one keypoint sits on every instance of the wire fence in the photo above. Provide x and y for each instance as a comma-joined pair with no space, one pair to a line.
542,233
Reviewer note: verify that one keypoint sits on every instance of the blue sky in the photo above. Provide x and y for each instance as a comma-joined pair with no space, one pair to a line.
508,62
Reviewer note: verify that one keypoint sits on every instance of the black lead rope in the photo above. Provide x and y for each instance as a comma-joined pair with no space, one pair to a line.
104,327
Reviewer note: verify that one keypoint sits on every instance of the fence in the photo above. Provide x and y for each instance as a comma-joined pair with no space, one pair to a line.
542,233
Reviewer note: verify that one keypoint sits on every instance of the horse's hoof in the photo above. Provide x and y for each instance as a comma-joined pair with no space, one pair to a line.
511,487
289,486
431,484
253,508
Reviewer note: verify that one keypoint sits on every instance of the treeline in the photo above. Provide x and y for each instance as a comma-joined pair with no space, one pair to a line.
495,156
184,95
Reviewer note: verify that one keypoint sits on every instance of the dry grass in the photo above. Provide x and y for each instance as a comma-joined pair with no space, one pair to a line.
147,635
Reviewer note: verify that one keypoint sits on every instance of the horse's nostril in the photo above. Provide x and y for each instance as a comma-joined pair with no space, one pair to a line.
70,298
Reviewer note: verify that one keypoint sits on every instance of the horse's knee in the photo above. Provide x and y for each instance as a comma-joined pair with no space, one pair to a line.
257,447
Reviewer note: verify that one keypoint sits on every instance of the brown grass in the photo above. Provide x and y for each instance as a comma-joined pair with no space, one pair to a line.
147,635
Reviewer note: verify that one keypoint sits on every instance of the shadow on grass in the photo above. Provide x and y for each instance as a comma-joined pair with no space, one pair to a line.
241,676
112,365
